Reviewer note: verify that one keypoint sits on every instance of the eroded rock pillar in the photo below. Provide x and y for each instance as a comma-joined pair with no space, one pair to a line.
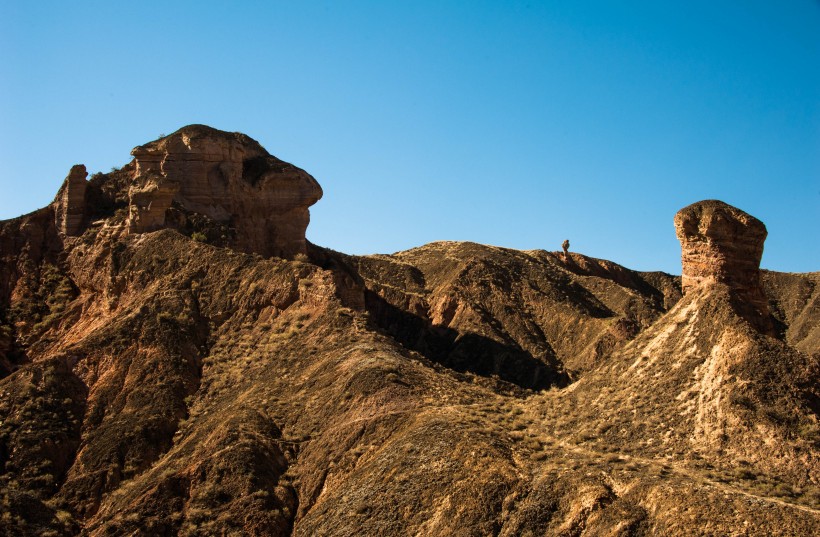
722,244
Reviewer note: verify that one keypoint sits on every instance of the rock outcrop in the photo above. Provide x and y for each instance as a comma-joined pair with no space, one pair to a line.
722,244
69,204
229,178
154,385
148,202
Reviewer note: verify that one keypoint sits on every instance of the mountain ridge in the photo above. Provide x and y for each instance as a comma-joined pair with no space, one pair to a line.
195,380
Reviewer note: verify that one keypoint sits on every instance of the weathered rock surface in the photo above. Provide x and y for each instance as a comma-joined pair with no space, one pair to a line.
229,178
153,384
722,244
148,202
69,205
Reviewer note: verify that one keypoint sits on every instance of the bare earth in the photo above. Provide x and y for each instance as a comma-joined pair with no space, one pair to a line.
204,370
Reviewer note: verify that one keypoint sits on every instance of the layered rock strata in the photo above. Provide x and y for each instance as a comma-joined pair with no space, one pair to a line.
722,244
69,204
229,178
160,386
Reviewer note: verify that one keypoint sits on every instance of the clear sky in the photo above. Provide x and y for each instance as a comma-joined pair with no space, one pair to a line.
517,124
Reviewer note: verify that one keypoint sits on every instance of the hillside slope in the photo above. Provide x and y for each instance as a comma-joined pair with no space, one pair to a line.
176,382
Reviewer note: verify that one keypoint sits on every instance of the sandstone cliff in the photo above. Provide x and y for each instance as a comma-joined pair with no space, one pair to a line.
722,244
229,178
69,206
154,384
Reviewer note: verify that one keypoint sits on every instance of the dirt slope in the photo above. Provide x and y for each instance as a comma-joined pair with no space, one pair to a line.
162,383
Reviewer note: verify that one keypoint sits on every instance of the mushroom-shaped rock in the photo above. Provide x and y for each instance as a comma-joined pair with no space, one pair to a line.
69,204
229,178
722,244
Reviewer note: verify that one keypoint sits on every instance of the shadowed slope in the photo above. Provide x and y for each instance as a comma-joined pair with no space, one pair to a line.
564,315
159,383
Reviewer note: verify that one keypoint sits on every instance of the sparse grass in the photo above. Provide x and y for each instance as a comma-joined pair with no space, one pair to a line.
533,444
745,474
783,490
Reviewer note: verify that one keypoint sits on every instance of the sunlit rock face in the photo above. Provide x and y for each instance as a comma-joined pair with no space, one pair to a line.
69,204
229,178
722,244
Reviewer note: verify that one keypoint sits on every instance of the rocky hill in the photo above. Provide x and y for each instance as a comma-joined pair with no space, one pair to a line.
177,359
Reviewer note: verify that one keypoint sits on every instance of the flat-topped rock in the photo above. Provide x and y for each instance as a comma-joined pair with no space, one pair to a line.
722,244
229,178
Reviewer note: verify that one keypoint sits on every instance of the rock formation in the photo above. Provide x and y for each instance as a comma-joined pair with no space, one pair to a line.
722,244
148,202
69,204
162,386
229,178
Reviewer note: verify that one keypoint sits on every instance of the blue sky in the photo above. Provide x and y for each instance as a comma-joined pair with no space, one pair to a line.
517,124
